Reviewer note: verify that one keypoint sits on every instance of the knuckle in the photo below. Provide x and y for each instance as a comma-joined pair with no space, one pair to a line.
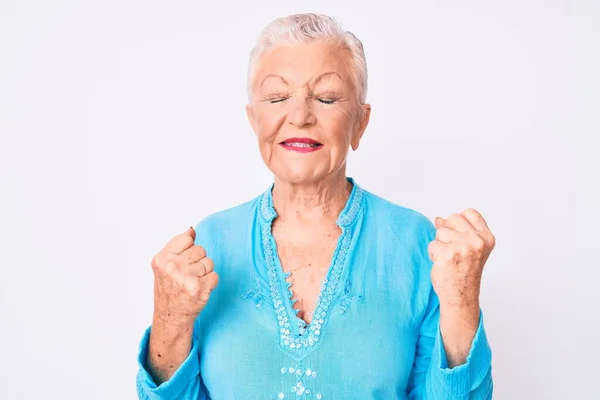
155,262
206,285
158,261
192,286
204,296
208,265
462,251
437,252
492,241
168,267
478,243
431,247
454,217
443,233
201,250
213,280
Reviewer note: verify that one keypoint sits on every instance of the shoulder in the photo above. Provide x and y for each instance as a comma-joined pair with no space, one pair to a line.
222,224
398,218
230,217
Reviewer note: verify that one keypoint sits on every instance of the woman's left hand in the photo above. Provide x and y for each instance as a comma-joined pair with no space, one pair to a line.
462,245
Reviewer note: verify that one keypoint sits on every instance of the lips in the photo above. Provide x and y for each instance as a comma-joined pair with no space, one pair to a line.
301,141
302,145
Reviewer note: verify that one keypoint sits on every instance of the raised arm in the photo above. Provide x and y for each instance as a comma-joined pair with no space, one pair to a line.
453,359
169,366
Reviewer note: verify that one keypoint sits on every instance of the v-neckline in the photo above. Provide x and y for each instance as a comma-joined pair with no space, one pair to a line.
295,334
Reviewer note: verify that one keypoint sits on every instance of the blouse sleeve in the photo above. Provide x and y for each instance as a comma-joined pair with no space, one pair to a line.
185,384
432,379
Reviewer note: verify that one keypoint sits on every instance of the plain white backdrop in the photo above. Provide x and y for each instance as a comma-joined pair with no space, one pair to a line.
122,123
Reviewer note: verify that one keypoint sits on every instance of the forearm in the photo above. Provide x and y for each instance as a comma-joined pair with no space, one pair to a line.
458,326
169,346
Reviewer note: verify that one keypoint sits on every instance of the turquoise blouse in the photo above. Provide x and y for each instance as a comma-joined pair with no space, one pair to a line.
374,333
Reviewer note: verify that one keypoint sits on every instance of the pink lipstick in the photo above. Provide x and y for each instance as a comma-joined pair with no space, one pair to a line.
301,145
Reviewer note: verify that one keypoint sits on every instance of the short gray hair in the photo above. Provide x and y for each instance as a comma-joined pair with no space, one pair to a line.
305,28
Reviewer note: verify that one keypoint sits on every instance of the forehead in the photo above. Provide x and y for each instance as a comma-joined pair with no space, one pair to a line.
300,63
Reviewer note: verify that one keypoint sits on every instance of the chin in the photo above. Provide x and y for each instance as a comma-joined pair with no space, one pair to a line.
298,176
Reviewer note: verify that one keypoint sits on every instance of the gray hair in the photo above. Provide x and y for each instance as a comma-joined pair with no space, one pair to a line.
305,28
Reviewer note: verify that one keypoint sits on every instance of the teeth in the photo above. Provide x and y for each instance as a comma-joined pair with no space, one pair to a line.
302,145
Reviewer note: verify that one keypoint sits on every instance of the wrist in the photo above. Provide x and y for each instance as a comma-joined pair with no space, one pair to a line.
168,348
172,329
458,326
165,316
461,306
459,322
462,300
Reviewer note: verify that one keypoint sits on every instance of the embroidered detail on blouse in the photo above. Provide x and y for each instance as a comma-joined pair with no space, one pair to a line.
302,389
302,340
255,294
348,298
294,333
347,216
266,205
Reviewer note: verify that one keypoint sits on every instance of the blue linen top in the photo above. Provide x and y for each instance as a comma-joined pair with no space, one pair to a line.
374,333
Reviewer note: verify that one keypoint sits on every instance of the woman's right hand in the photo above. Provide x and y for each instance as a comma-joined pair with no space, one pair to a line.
183,280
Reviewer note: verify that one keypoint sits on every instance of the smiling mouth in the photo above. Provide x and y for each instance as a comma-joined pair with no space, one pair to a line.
301,145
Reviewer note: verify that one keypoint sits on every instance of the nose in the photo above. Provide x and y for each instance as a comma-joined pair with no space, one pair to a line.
301,113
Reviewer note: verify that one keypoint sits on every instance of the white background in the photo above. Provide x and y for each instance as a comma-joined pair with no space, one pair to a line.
122,123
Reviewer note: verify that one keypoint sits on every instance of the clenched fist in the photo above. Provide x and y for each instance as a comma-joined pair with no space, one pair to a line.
183,280
462,245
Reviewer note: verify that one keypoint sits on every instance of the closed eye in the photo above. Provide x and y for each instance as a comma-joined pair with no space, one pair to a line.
278,100
327,101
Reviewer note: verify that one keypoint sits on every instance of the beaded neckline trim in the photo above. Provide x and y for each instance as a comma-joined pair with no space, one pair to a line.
294,334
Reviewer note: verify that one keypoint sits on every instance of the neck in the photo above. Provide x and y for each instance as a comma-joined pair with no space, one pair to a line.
321,200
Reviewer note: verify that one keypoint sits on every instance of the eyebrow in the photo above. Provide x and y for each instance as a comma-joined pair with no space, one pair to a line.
315,81
318,78
272,76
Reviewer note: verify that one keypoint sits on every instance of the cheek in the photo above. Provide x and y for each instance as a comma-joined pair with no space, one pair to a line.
339,126
268,125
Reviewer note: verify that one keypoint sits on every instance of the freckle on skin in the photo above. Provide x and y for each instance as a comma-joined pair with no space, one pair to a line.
159,355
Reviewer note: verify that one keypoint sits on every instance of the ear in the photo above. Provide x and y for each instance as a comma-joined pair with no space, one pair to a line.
362,126
251,118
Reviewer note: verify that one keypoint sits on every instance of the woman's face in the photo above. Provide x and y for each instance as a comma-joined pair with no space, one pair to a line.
305,111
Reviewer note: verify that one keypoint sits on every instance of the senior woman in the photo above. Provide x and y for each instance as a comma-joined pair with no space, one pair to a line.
317,288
